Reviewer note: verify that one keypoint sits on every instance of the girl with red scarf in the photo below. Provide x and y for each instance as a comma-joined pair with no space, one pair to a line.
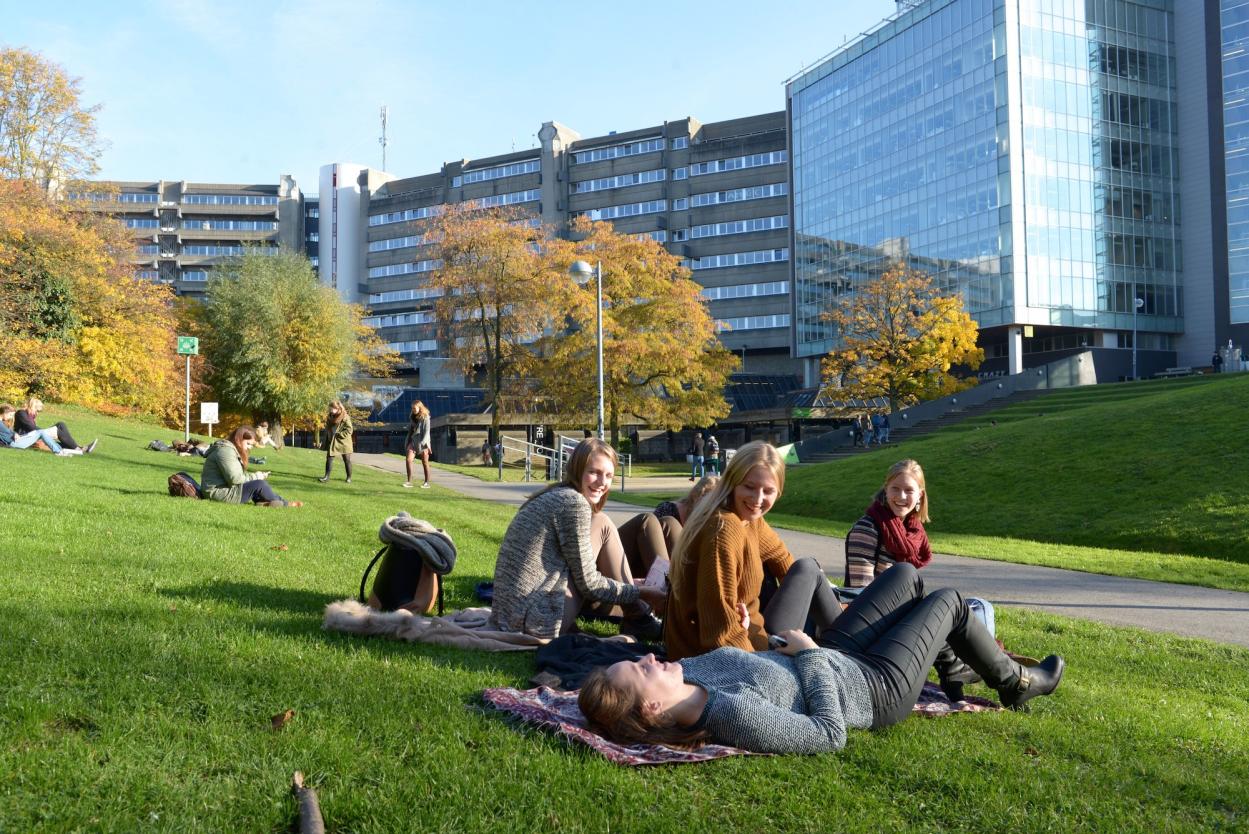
892,531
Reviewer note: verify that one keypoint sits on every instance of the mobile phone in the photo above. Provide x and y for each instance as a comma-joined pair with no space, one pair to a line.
775,641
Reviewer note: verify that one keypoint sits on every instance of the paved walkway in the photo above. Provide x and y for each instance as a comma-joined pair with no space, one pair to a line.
1158,606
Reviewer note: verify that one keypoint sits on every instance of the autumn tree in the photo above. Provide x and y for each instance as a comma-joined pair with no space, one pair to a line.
901,339
500,293
46,134
662,363
76,324
281,345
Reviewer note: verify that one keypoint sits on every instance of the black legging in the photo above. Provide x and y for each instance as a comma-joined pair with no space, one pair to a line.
259,491
66,439
329,463
803,592
894,633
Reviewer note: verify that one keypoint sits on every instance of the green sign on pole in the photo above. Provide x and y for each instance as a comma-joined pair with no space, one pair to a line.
188,346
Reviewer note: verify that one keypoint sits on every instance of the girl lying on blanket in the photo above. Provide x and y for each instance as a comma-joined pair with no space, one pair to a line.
866,673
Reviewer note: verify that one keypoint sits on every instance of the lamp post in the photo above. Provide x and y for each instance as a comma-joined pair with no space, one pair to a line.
1137,304
581,272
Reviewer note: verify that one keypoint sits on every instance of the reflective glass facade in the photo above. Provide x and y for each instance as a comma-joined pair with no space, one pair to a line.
1022,151
1234,23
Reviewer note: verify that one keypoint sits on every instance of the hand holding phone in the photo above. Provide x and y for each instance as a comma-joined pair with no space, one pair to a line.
776,641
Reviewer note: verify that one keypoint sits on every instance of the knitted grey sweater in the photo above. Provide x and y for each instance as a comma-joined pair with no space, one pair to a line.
768,702
546,547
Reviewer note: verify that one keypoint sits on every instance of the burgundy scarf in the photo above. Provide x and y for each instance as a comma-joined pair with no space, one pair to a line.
906,540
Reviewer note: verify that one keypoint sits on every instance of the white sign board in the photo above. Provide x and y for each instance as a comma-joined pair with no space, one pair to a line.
208,413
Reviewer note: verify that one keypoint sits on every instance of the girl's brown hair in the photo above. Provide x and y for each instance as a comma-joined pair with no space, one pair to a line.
912,468
336,413
236,439
577,463
419,411
616,714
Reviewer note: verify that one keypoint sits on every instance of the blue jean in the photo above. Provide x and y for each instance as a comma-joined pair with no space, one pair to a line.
25,441
698,469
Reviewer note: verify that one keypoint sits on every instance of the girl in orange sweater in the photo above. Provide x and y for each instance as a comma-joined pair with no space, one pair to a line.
720,560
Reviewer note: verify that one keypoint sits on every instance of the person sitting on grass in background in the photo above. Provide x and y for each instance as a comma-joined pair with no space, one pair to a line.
865,672
9,438
891,532
24,423
262,435
417,443
225,476
338,429
720,560
649,539
561,552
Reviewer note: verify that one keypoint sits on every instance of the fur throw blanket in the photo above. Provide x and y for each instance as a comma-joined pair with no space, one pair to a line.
434,545
467,629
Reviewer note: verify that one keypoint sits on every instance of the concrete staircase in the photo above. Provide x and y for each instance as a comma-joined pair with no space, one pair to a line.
899,434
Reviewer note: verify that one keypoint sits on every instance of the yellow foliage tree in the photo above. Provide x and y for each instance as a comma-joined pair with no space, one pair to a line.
662,363
501,292
46,135
76,324
901,339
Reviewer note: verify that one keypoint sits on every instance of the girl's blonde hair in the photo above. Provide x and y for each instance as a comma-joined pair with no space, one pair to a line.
34,404
706,512
419,410
912,468
336,408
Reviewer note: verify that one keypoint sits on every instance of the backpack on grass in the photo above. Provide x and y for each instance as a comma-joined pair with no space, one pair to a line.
182,485
415,557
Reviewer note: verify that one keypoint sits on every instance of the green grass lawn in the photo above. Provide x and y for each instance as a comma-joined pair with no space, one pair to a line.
1136,480
147,641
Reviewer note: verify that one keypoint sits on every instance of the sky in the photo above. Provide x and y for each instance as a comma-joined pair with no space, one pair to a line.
242,92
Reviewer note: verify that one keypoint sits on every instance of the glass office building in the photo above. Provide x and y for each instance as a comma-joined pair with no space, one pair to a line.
1234,32
1022,151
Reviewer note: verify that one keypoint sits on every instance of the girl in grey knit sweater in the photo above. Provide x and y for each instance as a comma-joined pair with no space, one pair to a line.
548,565
866,673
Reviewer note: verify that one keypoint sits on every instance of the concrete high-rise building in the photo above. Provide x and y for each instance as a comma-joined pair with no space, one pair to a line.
1027,153
184,229
715,194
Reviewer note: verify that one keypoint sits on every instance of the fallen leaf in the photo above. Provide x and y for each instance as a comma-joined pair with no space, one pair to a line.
1032,751
281,719
279,547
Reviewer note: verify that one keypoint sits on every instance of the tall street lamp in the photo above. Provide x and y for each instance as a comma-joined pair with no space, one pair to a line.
581,273
1137,304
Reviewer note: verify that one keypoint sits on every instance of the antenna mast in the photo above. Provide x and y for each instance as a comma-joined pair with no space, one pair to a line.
383,141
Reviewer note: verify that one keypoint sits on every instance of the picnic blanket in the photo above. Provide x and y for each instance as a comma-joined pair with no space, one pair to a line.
466,629
557,711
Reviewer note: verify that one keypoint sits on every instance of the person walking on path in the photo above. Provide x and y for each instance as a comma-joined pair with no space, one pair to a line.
1216,361
696,461
417,443
338,429
884,428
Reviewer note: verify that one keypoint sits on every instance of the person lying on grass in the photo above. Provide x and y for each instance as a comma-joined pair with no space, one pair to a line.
720,559
225,477
892,531
865,672
562,552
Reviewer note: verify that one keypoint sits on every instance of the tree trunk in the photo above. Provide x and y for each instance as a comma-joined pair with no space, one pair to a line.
615,426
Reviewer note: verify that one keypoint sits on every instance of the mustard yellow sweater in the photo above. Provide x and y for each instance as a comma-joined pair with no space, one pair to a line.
724,565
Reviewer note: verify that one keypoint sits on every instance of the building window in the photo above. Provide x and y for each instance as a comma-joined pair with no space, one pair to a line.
313,213
514,169
626,210
399,319
216,250
194,275
680,142
737,195
314,237
741,227
760,256
404,216
660,236
754,160
617,151
680,234
753,322
680,173
314,260
746,290
230,199
404,268
680,203
531,196
230,225
404,295
149,249
142,223
422,346
621,181
399,242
